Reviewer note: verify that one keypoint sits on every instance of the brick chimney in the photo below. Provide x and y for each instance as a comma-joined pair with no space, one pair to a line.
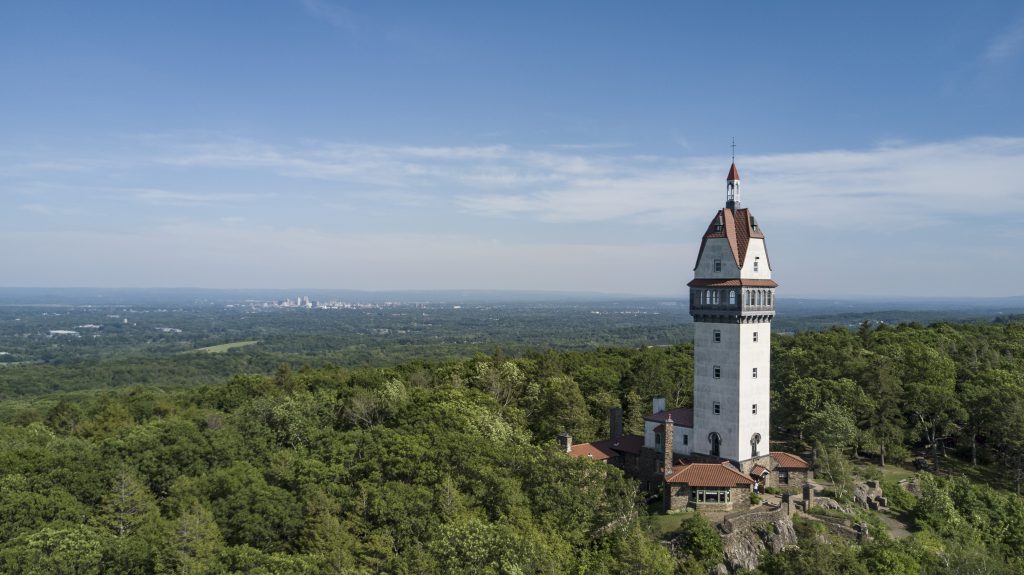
565,441
615,422
667,443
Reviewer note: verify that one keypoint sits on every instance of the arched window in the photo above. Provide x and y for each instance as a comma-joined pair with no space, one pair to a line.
754,440
732,297
707,297
769,297
716,443
757,262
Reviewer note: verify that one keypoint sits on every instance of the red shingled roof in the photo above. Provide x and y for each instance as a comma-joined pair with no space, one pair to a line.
598,450
682,416
608,448
704,282
734,174
709,475
758,471
789,461
736,229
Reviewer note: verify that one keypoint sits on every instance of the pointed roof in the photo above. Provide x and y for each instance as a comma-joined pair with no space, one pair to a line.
734,174
736,226
789,461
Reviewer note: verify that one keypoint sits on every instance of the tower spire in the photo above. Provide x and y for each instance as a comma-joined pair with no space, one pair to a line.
732,182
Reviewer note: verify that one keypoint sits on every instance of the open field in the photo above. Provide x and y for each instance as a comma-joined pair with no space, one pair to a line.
225,347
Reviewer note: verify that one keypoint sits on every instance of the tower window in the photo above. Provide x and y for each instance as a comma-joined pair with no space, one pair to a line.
717,407
755,337
718,371
732,297
686,439
754,411
718,265
755,373
757,262
717,336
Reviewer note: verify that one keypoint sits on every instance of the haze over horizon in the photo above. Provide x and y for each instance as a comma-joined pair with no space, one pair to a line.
578,147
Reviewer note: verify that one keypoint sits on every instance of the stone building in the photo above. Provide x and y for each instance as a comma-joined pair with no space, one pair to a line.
711,454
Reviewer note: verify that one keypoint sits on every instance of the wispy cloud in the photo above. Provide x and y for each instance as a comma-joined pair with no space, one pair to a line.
869,188
335,15
1007,43
477,210
187,199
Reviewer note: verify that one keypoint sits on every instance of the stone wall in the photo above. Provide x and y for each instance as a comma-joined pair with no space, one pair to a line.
745,519
796,478
678,497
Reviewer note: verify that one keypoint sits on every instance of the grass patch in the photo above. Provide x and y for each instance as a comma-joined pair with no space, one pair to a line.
665,523
225,347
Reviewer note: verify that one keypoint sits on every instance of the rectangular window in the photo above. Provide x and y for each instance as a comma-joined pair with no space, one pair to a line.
757,261
718,371
755,373
732,297
783,477
755,409
718,335
686,439
718,265
755,337
717,407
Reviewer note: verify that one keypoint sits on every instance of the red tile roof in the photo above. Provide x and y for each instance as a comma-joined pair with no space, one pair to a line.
682,416
711,282
758,471
607,448
734,174
709,475
736,228
598,450
789,461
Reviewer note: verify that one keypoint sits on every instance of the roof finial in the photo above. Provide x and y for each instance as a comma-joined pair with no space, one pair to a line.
734,149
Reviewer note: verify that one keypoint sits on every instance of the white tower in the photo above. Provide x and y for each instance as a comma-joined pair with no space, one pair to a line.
732,301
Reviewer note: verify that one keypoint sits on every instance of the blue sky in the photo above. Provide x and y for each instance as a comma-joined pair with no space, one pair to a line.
519,145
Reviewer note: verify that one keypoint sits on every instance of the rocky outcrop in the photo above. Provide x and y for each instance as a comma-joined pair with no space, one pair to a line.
743,546
869,495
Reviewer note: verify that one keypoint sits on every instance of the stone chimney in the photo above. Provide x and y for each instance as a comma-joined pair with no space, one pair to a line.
658,404
615,422
565,441
667,443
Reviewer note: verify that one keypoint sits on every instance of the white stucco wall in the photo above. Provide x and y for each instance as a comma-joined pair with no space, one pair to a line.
736,390
678,431
756,249
716,248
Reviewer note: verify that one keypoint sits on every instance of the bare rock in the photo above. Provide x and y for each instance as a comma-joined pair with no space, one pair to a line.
743,546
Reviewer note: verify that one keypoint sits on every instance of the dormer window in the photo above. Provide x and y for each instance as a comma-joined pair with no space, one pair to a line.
718,266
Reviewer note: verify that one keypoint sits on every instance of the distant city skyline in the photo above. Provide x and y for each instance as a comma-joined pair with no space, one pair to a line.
577,146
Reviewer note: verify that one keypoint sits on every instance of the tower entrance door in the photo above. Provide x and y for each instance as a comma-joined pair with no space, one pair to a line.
716,443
